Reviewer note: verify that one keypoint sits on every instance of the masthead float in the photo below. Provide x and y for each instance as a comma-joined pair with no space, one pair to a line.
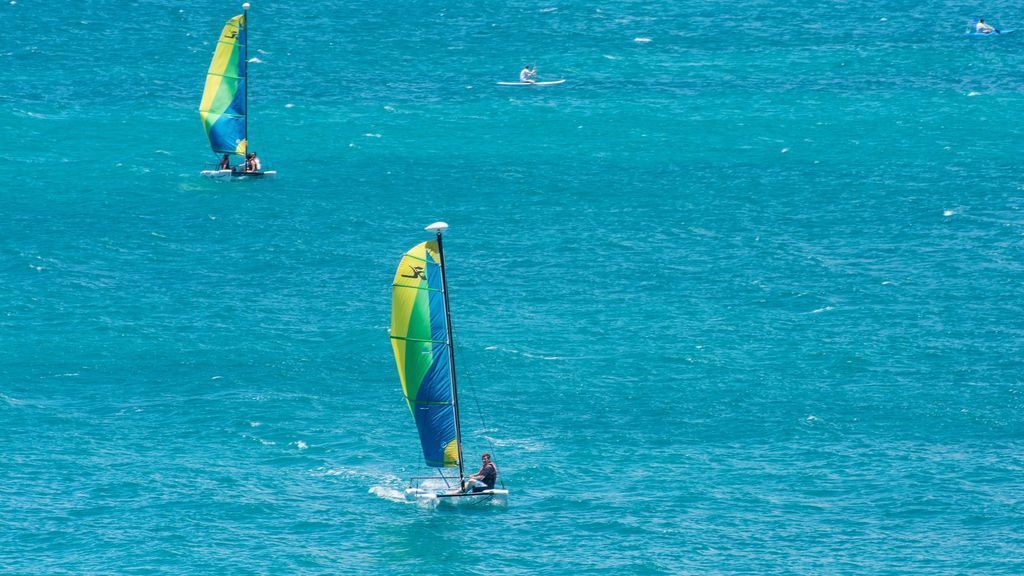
421,337
224,108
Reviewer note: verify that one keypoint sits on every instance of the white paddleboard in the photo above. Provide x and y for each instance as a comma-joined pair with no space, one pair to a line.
552,83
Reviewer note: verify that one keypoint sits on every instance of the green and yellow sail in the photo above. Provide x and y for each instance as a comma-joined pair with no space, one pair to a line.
222,109
419,337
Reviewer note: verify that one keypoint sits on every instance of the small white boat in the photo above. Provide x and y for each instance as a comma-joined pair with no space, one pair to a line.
421,337
434,491
224,108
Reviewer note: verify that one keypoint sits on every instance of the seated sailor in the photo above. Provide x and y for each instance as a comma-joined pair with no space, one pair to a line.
484,479
252,163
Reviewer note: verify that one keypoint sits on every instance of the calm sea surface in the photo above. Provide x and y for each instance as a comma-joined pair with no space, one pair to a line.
742,296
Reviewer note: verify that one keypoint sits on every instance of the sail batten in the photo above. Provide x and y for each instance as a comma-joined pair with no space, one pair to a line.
416,288
419,339
223,107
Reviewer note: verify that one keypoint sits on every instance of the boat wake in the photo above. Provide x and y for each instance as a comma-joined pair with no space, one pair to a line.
521,445
388,493
535,356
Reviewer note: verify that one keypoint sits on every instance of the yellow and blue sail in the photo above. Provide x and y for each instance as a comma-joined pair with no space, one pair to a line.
419,337
222,109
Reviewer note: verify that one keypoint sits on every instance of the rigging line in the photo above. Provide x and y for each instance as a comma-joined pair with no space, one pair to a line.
467,378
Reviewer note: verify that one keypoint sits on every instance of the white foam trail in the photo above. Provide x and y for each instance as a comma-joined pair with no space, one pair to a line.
539,357
11,401
389,486
522,445
532,355
388,493
641,40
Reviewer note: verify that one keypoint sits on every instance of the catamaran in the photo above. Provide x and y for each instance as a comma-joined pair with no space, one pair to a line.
421,336
225,103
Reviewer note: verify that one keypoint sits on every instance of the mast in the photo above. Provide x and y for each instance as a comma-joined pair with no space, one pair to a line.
245,57
439,228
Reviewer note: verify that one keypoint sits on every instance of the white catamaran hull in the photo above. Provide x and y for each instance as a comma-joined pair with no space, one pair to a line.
432,498
229,174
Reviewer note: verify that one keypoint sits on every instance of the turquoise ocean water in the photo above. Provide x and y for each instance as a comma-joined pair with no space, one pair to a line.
743,296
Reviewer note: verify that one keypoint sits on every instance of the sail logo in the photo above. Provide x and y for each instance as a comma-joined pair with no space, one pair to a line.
231,35
417,273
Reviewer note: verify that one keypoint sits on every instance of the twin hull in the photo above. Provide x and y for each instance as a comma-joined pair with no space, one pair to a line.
433,498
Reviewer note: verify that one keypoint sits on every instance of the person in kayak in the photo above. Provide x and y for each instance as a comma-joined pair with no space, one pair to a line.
225,163
982,28
527,75
484,479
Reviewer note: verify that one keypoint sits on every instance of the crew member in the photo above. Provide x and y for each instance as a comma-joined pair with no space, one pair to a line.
484,479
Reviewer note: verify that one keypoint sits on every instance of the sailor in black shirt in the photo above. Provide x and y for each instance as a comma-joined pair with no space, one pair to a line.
485,478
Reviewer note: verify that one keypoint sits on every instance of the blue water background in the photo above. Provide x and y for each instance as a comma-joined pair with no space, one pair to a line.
744,298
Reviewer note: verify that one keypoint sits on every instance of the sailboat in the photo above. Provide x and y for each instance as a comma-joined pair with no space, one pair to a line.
225,103
421,336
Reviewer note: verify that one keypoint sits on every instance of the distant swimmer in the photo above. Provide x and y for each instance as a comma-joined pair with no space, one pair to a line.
484,479
225,163
982,28
528,75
